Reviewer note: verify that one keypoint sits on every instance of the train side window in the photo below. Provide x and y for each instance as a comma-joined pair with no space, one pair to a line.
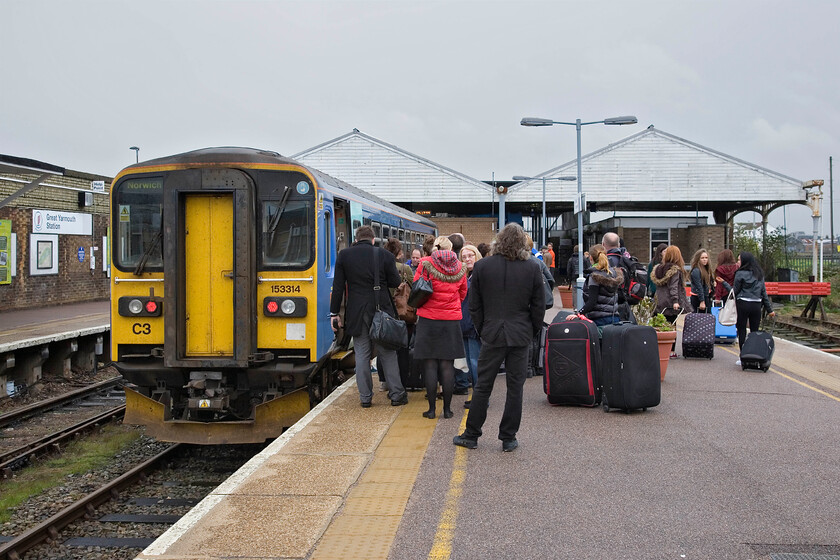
377,229
386,232
356,225
402,235
328,241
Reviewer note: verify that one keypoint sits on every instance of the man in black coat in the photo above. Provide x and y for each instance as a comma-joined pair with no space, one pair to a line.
354,275
507,306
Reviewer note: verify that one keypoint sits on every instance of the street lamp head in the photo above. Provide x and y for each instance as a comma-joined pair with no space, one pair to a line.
621,120
521,178
533,121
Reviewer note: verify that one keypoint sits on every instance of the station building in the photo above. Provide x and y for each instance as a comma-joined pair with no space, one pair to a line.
53,234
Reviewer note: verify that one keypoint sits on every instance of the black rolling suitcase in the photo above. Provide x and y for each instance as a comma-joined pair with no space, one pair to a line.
536,353
698,339
572,361
629,367
758,349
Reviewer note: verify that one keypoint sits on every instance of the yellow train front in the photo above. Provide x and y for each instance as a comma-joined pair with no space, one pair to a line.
222,266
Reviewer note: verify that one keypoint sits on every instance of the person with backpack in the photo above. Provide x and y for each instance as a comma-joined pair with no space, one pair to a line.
750,295
600,291
634,287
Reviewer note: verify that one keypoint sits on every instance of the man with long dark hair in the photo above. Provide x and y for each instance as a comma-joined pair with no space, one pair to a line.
507,306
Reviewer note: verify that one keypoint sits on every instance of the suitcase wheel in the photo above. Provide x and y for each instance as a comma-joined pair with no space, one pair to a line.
604,404
764,369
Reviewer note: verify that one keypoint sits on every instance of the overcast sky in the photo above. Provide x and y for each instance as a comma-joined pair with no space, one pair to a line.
449,81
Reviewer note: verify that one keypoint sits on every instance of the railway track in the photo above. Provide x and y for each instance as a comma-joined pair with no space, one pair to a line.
128,513
824,336
43,428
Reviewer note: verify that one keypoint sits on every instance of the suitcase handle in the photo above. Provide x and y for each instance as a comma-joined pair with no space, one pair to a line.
772,325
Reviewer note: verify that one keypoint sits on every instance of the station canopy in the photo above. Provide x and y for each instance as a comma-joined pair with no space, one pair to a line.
649,171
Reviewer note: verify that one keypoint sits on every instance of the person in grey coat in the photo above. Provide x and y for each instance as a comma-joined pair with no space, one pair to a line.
507,306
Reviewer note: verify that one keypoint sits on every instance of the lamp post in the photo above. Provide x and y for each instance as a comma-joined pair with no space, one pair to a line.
544,179
579,203
136,153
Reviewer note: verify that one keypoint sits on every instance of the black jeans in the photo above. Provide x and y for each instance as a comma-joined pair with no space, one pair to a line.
489,360
695,303
747,311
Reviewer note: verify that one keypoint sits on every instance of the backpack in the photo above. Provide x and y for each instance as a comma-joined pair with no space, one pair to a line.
635,279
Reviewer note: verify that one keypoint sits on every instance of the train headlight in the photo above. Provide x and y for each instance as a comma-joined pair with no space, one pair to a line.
287,307
131,306
284,307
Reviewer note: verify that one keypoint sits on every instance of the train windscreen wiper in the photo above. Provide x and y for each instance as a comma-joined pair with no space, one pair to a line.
275,219
141,264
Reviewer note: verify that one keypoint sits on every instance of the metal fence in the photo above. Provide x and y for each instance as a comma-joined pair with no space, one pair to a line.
803,265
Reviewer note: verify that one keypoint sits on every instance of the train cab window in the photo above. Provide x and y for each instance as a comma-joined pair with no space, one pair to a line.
286,233
138,241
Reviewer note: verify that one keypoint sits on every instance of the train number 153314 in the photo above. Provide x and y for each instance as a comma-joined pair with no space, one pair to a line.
285,289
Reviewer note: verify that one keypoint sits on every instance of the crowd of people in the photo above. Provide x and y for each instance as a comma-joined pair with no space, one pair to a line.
488,302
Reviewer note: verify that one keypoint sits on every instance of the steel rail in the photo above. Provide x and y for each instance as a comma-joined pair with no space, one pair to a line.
17,458
828,337
42,406
49,530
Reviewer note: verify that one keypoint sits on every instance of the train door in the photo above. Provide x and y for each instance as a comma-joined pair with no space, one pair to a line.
208,274
210,262
342,224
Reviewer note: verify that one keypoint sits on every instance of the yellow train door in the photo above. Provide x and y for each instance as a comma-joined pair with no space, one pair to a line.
209,275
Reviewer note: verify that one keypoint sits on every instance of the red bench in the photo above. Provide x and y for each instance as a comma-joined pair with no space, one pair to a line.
817,290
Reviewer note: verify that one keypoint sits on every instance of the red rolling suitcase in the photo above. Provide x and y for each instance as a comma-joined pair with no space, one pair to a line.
698,339
572,363
630,367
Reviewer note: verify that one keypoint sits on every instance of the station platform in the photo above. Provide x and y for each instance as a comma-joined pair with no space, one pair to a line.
20,328
732,465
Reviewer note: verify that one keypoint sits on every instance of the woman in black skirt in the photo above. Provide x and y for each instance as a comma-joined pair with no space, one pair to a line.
438,339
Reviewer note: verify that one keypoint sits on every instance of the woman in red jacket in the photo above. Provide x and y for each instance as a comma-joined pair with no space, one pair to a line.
438,333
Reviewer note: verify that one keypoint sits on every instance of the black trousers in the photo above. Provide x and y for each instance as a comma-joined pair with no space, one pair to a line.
748,311
489,361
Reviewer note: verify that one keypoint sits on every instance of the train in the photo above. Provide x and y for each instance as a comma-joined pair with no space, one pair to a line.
222,264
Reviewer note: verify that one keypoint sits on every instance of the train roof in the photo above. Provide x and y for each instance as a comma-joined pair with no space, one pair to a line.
232,154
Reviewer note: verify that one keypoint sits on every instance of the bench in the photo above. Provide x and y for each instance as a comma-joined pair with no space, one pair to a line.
817,290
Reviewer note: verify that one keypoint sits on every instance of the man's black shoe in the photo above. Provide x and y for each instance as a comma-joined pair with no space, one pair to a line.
401,401
467,403
365,405
509,445
461,391
465,442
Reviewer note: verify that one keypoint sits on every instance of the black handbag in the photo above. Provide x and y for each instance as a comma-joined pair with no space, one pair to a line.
421,291
385,330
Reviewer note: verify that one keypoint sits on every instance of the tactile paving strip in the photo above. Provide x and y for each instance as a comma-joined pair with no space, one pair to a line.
373,509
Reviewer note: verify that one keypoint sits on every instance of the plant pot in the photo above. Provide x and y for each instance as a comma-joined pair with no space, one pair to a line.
665,339
566,297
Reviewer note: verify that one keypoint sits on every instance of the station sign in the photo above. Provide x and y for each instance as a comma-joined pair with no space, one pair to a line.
62,223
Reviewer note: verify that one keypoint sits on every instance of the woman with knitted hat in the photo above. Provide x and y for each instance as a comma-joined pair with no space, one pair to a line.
438,339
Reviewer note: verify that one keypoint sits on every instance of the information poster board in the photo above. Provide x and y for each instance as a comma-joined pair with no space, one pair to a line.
6,263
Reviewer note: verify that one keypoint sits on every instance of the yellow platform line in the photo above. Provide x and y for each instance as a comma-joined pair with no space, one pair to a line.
822,379
374,507
445,533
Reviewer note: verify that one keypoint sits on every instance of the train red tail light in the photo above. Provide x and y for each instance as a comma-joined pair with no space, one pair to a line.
151,306
272,307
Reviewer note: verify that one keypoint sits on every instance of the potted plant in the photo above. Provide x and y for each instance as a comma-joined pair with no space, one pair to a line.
666,332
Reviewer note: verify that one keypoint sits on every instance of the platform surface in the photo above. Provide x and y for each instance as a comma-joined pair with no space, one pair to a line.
732,465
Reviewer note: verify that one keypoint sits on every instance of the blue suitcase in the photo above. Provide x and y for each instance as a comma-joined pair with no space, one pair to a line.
723,334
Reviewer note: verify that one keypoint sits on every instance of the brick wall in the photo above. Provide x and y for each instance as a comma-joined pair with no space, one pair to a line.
475,230
74,282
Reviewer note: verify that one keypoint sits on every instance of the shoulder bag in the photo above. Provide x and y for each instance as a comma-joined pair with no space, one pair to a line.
421,291
728,315
385,330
